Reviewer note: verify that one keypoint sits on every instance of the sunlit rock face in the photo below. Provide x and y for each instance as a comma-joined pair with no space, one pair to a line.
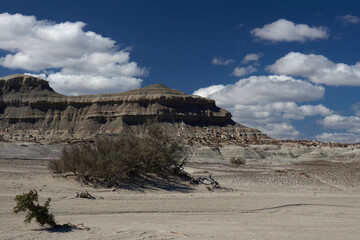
31,110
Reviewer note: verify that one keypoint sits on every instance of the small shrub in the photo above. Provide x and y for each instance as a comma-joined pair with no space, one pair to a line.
29,202
237,161
110,160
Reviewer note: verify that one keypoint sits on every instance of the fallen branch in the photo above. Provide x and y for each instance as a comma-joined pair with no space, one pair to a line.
84,195
79,226
184,234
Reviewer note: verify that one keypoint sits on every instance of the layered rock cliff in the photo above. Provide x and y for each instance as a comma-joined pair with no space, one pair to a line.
30,109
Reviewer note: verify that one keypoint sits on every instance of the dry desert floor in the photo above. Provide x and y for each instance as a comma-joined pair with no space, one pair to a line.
308,200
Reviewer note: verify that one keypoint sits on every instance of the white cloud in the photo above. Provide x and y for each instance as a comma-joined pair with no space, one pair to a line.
339,137
281,131
262,112
268,102
351,124
73,60
335,121
307,110
350,19
287,31
208,91
356,108
252,57
269,117
317,69
221,61
242,71
264,89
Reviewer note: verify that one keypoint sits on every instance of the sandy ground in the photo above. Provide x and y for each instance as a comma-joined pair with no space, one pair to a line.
312,200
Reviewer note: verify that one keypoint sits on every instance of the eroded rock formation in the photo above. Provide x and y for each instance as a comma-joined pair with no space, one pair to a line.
31,110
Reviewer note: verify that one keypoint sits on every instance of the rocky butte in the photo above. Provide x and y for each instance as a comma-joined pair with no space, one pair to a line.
31,110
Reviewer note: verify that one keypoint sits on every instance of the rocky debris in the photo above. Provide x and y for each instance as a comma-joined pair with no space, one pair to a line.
84,195
30,110
209,182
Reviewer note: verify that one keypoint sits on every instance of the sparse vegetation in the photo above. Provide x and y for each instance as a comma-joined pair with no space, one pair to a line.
110,160
29,202
237,160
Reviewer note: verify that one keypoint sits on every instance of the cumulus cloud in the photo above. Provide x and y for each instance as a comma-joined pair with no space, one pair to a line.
286,31
303,111
262,112
221,61
265,117
275,118
349,19
281,130
351,124
317,69
264,89
338,137
242,71
73,60
268,102
252,57
335,121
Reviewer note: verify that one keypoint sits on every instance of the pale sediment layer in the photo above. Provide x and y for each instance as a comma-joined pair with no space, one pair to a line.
260,154
299,201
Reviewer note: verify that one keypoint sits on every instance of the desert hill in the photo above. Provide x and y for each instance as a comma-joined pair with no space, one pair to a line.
30,110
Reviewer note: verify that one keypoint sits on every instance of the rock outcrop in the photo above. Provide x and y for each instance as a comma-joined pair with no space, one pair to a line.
31,110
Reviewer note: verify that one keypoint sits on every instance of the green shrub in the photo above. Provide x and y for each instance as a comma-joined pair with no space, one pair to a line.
237,161
113,159
29,202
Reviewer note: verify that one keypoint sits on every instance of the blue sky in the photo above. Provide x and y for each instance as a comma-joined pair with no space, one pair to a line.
288,68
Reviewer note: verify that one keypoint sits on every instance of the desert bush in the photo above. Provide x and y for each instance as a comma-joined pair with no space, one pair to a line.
29,202
113,159
237,160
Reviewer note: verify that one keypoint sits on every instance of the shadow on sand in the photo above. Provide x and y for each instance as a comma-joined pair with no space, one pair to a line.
151,182
58,229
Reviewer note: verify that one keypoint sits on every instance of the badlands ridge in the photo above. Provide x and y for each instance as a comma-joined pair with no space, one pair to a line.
31,111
